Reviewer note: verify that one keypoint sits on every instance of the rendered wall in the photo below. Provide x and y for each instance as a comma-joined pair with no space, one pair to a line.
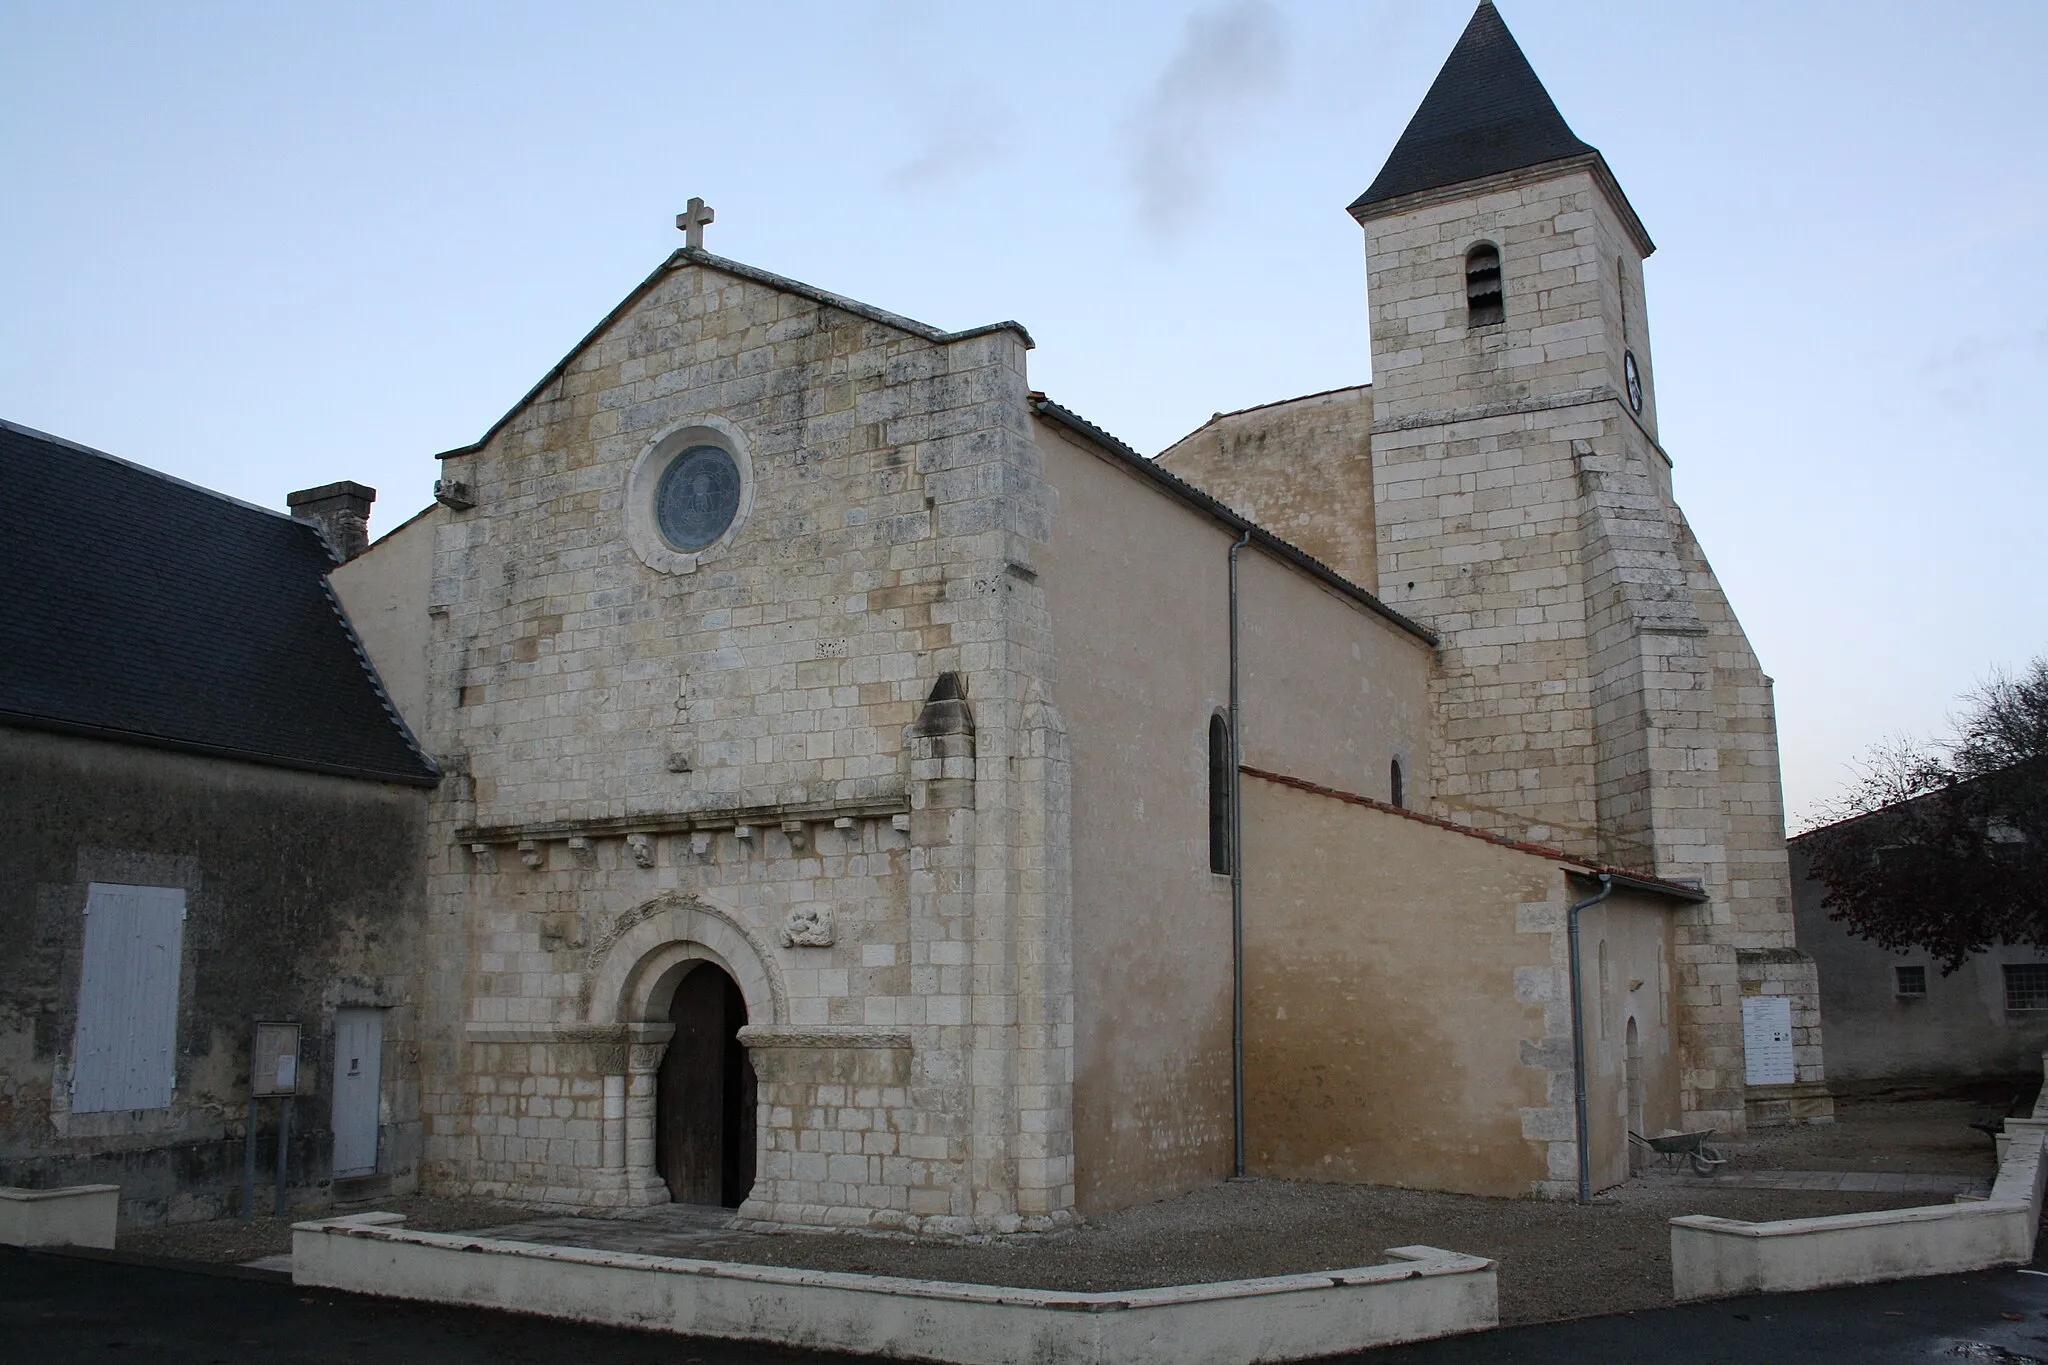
1626,946
1137,584
303,895
384,592
1300,468
1407,1015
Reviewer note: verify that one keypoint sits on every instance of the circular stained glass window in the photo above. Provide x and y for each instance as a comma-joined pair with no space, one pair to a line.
697,498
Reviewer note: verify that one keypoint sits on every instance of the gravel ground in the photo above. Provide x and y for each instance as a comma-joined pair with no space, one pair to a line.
1892,1128
1557,1260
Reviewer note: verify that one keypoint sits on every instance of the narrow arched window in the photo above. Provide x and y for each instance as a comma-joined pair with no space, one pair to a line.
1219,794
1485,304
1395,792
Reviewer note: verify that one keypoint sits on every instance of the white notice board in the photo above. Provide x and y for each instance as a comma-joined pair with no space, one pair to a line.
1767,1039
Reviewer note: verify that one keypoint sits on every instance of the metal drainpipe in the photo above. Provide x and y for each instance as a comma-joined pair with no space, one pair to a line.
1579,1034
1236,887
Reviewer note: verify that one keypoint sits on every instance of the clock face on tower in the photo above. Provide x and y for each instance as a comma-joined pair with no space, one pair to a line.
1633,378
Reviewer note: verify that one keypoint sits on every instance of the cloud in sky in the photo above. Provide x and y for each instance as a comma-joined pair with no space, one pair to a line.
969,140
1964,374
1231,59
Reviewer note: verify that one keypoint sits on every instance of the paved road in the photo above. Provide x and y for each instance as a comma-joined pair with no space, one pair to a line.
61,1309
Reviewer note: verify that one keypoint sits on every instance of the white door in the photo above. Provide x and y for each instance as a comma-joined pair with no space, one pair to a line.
358,1050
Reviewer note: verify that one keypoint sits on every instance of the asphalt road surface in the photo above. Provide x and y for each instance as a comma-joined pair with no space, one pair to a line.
56,1309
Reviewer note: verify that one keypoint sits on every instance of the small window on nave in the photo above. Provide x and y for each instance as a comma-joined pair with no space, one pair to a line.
1219,794
1396,795
1485,303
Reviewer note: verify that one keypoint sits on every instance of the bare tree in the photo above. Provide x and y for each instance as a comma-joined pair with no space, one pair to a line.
1943,847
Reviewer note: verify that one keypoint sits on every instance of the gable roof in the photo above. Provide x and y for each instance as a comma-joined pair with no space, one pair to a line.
698,256
1486,114
142,609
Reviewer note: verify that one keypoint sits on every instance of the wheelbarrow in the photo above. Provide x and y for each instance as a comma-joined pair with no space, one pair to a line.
1706,1159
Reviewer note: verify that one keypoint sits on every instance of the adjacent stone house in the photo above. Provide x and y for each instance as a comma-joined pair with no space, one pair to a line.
216,817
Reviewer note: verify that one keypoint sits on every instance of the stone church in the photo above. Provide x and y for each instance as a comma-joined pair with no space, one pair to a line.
873,795
880,797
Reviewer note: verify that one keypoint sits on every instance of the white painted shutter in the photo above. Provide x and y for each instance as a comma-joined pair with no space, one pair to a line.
123,1056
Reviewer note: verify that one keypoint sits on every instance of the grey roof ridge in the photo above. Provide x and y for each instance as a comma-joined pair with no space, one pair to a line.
1180,488
22,720
702,257
698,256
355,642
84,449
1216,417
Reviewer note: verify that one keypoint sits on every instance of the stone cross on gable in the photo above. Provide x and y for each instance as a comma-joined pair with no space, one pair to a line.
692,222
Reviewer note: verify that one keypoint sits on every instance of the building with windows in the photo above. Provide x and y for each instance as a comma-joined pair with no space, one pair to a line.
217,818
1897,1015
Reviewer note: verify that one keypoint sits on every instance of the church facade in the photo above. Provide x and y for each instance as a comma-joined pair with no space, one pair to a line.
875,796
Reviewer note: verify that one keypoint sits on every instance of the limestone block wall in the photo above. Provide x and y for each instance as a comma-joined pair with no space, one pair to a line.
1301,468
1595,689
724,748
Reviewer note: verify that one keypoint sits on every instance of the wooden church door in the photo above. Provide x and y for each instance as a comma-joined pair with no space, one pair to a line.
705,1095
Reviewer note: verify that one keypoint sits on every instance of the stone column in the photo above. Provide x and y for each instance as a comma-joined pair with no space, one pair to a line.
645,1044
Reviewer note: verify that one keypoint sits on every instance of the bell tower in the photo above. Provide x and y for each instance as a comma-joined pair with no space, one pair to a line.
1595,691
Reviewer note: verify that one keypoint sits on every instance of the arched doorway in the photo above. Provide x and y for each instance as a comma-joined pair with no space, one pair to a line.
704,1094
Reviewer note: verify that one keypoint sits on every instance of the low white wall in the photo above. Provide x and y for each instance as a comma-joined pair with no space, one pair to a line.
75,1216
1425,1293
1713,1257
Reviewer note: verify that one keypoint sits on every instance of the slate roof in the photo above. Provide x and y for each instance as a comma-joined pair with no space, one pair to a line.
139,608
1487,114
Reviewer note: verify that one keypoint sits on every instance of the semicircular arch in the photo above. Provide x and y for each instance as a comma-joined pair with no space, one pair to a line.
634,966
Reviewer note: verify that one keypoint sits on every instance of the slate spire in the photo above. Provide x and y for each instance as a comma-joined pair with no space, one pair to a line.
1487,113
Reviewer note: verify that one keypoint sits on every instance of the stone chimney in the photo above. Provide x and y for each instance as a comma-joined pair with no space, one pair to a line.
341,511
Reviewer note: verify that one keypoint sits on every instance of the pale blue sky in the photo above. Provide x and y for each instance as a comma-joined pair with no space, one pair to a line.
267,246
